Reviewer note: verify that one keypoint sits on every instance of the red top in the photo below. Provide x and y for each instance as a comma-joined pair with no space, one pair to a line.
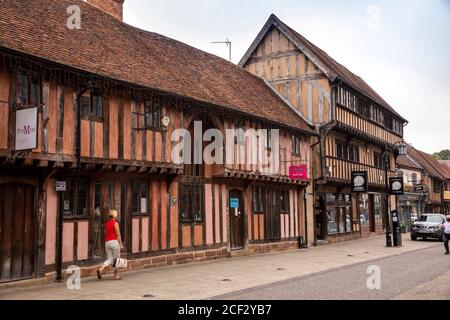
110,230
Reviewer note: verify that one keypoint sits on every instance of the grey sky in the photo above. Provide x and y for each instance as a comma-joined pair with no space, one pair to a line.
401,48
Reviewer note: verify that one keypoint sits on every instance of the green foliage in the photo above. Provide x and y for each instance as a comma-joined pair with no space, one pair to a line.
442,155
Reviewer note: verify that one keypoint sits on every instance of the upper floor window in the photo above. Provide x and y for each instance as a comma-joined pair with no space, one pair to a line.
91,104
296,145
153,113
348,152
29,89
379,161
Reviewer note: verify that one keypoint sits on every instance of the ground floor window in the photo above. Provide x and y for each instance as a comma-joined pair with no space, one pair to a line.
339,213
192,202
378,208
75,198
364,216
140,197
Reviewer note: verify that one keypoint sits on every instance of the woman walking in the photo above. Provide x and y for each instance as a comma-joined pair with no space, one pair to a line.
113,244
446,227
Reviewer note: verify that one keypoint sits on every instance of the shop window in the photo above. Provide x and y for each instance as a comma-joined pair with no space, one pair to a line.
339,213
29,89
140,198
363,201
191,203
284,201
258,200
378,208
153,113
75,199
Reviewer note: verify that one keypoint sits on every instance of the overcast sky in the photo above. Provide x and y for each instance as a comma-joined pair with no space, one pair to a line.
401,48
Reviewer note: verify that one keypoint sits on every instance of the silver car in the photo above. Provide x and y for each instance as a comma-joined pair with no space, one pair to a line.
429,225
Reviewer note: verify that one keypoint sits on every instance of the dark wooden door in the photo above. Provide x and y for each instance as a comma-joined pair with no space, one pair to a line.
372,212
17,205
236,213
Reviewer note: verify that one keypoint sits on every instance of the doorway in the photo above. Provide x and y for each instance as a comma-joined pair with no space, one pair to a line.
17,207
236,216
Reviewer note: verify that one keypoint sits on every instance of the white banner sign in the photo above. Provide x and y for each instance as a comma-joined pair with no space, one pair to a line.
26,129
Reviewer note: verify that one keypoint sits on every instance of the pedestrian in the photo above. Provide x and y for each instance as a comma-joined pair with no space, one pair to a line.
446,227
113,245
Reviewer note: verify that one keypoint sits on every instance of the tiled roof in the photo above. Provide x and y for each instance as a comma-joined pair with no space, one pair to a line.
108,47
404,161
429,163
336,69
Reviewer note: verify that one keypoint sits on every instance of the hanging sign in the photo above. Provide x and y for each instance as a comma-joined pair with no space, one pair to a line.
447,195
396,186
298,172
418,187
359,182
26,129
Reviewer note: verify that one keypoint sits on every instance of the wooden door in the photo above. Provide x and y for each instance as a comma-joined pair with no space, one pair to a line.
17,206
272,217
372,212
236,216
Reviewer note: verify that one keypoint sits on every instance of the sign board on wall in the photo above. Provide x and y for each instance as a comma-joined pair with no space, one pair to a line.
396,186
359,182
298,172
61,186
447,195
234,203
26,129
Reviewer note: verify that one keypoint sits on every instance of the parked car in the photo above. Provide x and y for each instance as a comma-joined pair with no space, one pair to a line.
429,225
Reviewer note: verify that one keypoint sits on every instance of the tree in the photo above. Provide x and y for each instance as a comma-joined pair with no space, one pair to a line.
442,155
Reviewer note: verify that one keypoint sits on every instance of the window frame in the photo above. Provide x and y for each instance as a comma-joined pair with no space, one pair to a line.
188,190
32,80
75,198
140,184
153,107
93,109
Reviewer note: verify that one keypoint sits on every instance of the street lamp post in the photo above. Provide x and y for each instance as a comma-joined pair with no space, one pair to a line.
388,225
401,151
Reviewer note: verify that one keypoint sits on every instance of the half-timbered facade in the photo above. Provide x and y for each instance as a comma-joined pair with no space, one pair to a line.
435,178
357,128
108,99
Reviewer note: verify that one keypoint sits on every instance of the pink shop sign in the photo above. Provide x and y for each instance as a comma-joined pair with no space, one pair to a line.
298,172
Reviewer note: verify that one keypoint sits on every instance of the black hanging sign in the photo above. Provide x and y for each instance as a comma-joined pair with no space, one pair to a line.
359,181
396,186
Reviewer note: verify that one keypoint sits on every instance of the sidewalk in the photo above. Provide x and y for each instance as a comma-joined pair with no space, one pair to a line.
209,279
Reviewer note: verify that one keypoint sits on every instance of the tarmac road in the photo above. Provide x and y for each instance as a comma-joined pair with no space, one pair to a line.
423,274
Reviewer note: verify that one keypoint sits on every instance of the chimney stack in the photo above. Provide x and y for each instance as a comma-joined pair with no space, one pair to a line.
113,7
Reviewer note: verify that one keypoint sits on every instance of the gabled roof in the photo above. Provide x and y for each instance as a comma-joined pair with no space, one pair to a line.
429,163
108,47
330,67
405,161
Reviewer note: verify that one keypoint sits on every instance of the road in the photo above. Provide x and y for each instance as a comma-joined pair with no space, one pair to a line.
423,274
